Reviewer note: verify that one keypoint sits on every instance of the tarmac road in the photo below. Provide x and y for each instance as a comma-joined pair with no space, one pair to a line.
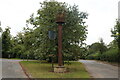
100,69
11,69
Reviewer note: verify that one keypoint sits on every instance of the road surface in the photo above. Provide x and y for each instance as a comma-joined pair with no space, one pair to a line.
100,70
11,69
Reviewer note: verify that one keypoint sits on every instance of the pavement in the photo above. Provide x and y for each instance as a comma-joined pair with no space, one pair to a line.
11,69
100,69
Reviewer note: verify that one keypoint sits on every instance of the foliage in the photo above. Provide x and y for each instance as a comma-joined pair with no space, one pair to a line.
102,46
6,43
110,55
97,47
18,51
74,31
95,56
22,45
116,34
112,44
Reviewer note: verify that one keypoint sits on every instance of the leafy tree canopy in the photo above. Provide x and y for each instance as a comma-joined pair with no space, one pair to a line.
6,42
74,30
116,33
97,47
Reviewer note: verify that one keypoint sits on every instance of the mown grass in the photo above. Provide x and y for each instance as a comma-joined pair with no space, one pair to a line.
43,70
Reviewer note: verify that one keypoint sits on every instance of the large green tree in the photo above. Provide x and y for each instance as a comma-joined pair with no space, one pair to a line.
6,43
74,30
18,47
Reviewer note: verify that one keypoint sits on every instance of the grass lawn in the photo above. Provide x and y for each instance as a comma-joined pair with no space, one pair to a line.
43,70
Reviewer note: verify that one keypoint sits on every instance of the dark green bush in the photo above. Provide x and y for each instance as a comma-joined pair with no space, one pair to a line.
95,56
111,55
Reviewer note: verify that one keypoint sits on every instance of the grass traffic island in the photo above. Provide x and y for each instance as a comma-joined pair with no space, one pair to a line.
43,70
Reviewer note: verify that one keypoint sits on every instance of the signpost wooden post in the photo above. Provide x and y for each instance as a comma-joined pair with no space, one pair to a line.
60,20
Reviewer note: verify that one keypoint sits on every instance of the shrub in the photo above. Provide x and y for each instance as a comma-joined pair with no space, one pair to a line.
95,56
110,55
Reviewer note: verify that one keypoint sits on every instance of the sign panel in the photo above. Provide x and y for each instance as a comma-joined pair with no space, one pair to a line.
51,35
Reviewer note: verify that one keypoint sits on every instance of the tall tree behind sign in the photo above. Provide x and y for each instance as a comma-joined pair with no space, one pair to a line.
74,30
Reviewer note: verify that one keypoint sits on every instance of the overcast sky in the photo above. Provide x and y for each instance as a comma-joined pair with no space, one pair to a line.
102,15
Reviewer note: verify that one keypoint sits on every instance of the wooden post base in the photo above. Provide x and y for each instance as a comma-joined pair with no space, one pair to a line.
60,69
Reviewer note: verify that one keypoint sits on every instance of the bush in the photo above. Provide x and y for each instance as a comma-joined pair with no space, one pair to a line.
110,55
95,56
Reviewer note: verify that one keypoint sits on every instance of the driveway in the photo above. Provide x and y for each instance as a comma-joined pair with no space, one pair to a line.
11,69
100,70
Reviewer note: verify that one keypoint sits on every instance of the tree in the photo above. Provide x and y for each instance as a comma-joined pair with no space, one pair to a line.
116,34
28,42
99,47
0,41
6,43
112,44
102,46
74,30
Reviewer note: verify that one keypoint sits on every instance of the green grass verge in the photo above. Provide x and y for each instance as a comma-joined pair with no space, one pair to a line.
42,70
